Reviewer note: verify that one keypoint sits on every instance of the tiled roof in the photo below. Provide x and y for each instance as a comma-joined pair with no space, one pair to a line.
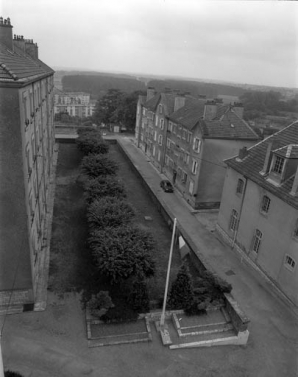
253,163
17,66
189,115
289,151
229,126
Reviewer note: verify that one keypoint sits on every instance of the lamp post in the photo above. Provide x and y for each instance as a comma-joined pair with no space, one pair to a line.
162,318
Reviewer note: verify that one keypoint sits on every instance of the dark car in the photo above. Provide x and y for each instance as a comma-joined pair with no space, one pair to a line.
166,186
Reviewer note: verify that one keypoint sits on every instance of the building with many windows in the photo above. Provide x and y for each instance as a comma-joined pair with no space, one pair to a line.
259,207
26,162
188,138
74,104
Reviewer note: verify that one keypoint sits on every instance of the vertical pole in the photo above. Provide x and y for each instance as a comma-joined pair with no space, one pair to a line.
162,318
1,360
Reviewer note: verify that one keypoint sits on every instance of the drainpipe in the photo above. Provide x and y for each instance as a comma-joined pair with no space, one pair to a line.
240,212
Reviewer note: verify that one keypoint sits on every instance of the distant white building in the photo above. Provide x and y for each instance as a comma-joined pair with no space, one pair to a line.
74,103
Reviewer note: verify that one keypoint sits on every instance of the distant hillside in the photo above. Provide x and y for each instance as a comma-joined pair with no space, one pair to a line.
209,89
98,85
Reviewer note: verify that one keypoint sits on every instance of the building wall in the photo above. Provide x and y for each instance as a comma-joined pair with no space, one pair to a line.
14,243
27,141
277,227
212,172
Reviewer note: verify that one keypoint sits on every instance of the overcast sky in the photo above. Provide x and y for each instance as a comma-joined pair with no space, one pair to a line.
251,42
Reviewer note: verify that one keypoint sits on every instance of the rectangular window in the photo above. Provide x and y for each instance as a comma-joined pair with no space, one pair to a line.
155,135
183,177
160,109
240,186
189,134
158,156
153,151
234,220
162,123
194,167
290,263
168,143
265,204
156,120
278,164
196,145
191,185
257,241
170,126
160,139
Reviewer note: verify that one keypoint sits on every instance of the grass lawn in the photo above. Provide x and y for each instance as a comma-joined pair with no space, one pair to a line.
71,265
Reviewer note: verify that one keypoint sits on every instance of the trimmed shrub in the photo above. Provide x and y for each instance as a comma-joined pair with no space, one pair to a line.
139,297
97,188
95,165
181,294
100,303
109,212
122,312
122,252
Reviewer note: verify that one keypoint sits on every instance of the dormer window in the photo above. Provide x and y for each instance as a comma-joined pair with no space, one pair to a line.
278,165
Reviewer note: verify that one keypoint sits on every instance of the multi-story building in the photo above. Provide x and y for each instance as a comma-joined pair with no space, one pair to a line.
26,161
259,207
75,104
188,138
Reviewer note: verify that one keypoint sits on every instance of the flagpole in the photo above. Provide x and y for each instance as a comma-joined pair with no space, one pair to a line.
162,317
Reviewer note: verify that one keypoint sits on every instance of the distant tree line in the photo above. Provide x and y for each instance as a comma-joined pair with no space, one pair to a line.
98,85
257,104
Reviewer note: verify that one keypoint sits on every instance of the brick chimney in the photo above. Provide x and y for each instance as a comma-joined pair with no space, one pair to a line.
210,110
19,41
150,93
179,102
243,152
268,158
295,184
238,109
6,33
31,48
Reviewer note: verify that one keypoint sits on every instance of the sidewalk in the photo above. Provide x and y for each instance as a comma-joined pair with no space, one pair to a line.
253,291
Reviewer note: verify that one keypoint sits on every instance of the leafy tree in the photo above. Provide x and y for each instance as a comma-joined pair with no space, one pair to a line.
9,373
123,252
109,212
181,294
139,297
95,165
100,303
92,142
106,106
99,187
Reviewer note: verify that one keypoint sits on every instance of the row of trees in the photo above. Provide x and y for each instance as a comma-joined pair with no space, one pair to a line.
257,104
122,252
117,107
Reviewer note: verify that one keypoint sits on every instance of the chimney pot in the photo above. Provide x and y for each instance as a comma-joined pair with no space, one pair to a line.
243,152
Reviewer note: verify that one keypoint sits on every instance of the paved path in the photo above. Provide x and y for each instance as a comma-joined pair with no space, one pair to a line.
53,342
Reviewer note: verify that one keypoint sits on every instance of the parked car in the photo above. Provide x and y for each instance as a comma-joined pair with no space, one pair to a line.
166,185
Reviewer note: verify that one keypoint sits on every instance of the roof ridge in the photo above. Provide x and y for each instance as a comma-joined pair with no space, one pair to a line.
9,71
244,121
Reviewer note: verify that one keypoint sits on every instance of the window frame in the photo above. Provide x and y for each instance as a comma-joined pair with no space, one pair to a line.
289,263
240,186
265,204
278,165
233,225
194,164
197,141
257,239
160,140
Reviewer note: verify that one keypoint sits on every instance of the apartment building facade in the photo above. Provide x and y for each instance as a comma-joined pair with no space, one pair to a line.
74,103
188,138
26,161
259,207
